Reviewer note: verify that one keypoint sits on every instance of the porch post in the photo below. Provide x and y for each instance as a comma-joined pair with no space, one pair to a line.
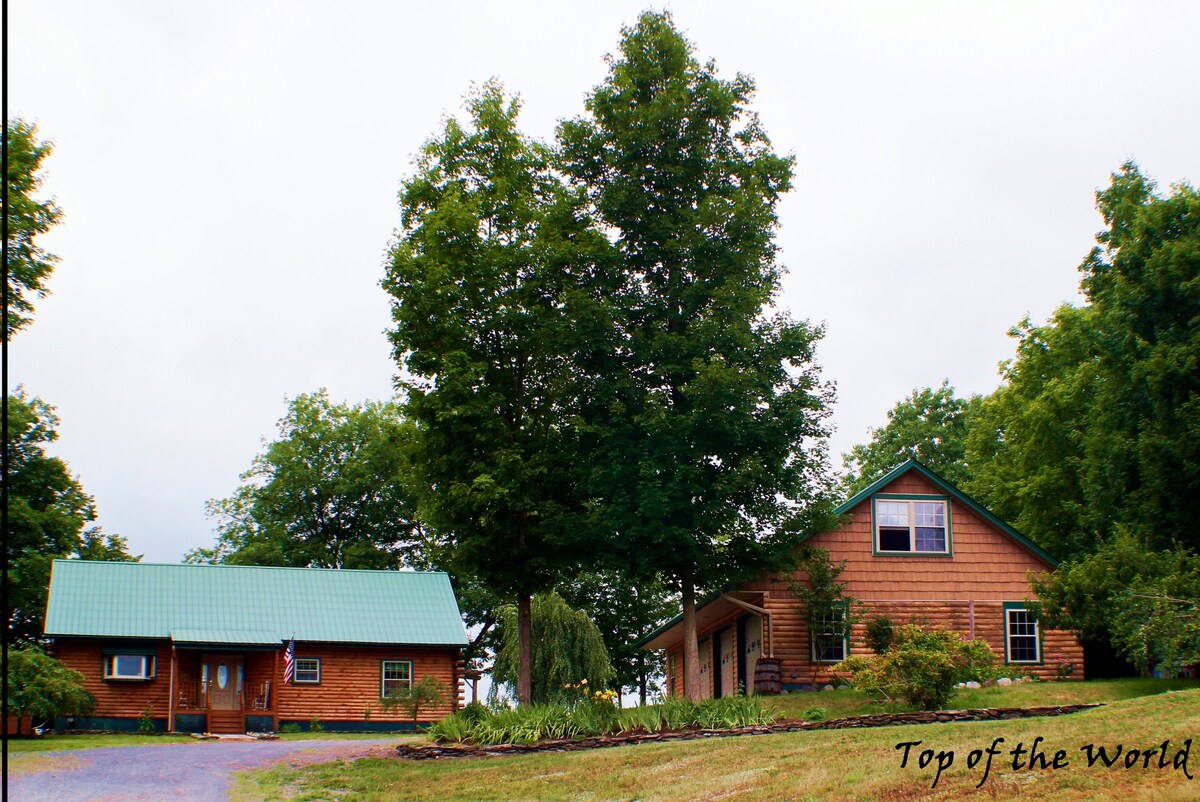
274,693
171,698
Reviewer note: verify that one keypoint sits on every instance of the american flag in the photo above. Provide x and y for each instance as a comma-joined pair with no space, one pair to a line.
289,662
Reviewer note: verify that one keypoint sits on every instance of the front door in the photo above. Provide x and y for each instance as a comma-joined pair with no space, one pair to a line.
224,675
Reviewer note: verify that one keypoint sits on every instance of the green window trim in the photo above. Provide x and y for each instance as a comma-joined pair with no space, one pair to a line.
911,497
812,641
1041,653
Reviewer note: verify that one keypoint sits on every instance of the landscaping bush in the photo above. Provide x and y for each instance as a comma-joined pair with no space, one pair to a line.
922,666
41,687
880,634
427,693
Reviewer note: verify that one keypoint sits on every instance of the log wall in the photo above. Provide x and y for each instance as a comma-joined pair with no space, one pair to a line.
964,591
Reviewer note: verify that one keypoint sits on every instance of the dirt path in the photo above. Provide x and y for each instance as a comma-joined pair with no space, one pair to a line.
187,772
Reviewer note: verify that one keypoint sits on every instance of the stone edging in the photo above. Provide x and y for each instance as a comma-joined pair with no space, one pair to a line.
440,751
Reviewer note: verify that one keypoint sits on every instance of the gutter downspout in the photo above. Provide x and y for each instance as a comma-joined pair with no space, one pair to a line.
171,691
762,612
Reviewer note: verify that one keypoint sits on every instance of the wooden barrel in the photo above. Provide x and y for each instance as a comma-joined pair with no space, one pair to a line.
767,676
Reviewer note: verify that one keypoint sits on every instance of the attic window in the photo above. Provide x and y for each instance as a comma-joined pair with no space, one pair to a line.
912,525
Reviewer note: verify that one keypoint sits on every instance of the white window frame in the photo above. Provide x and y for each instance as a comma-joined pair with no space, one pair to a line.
384,679
910,503
831,639
146,671
1008,635
296,671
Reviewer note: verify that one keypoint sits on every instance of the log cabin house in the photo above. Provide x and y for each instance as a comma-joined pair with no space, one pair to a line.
202,648
915,549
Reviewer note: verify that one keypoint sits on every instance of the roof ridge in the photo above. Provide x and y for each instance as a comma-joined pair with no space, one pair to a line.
267,567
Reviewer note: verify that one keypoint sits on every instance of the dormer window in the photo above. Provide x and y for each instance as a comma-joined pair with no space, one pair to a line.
912,525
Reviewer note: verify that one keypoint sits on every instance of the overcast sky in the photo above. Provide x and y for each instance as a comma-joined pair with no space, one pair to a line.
229,175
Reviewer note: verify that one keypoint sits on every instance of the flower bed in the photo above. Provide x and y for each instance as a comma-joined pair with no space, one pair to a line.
461,750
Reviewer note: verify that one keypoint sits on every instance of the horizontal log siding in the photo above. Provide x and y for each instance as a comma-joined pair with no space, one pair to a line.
117,698
350,678
987,569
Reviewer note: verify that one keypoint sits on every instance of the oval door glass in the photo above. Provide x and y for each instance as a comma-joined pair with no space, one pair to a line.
222,676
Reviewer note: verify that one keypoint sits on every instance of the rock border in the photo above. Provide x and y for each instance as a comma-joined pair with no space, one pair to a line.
449,751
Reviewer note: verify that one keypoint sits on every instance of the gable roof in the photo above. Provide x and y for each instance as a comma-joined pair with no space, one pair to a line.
950,490
251,605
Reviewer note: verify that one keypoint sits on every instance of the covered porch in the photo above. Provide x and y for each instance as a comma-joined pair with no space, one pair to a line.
224,682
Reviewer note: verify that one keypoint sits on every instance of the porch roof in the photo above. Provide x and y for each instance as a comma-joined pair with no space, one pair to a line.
248,605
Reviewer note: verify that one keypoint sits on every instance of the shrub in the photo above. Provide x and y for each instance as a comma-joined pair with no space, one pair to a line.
475,711
427,693
290,728
922,666
880,634
815,714
315,725
146,721
43,688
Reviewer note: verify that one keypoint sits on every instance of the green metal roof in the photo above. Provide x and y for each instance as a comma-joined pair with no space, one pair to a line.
251,605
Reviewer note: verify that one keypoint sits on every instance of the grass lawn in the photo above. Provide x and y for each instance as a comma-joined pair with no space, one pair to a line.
819,765
841,703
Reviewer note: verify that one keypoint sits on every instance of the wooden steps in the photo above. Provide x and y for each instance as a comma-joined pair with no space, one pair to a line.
226,722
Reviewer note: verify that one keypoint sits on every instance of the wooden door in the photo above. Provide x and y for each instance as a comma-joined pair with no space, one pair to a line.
706,683
224,674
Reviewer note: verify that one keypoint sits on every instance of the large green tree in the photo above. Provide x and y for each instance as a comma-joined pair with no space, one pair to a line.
29,266
492,288
332,491
1097,424
699,413
929,426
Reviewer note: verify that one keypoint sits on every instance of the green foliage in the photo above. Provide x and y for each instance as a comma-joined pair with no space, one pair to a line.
146,721
1145,602
922,666
429,692
623,609
43,688
1097,426
332,491
290,728
699,402
315,725
881,633
929,426
824,605
491,278
569,656
29,267
815,713
596,716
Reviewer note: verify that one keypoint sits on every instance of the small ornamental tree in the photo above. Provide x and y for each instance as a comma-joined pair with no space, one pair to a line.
428,693
568,651
43,688
922,666
824,606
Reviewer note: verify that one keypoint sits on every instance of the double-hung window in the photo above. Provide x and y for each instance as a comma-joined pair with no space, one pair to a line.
830,636
129,666
1022,638
308,671
912,526
395,675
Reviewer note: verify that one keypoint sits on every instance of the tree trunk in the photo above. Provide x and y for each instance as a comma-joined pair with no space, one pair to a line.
525,644
691,651
642,678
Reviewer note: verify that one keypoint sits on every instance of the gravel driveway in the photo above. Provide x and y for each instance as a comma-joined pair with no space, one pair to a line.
197,771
